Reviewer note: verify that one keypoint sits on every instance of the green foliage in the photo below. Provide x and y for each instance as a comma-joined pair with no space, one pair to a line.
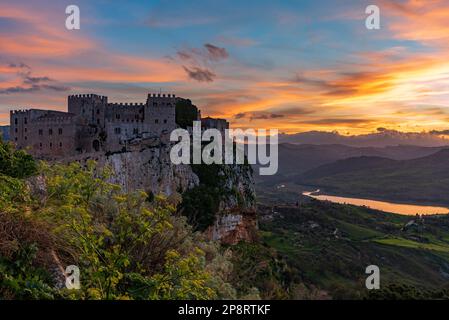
201,204
20,279
179,279
259,267
12,192
400,291
16,163
328,246
125,246
186,113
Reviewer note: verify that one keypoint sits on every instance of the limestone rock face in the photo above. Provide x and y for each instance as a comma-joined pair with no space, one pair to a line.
149,168
146,165
236,220
233,227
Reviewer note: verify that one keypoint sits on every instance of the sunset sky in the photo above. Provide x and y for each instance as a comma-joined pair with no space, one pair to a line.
292,65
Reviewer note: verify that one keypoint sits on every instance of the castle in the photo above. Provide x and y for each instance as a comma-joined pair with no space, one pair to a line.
93,124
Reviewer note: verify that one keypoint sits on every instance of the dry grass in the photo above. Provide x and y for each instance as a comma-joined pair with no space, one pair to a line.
19,230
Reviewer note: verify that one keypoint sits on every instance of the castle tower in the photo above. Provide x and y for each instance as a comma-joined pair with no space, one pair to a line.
89,109
160,113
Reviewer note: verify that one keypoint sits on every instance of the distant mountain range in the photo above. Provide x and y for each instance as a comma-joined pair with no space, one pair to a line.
4,132
424,180
296,159
381,138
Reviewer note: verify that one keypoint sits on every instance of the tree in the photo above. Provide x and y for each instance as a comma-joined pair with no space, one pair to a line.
16,163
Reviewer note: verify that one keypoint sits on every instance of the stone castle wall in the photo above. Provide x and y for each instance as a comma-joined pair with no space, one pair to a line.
47,133
91,124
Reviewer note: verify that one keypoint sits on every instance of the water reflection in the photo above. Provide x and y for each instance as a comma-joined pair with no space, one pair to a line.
406,209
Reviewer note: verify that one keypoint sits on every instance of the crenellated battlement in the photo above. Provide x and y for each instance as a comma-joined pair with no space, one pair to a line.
126,104
90,95
161,95
19,111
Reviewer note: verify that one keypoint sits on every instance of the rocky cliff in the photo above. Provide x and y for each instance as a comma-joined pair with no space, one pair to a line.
145,165
236,218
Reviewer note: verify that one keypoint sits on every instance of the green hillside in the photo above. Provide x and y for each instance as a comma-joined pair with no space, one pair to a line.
423,180
328,246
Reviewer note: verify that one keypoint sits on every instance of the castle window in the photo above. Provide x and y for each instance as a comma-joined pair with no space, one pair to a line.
41,132
98,111
26,138
135,131
117,116
50,131
40,145
15,138
60,131
156,121
15,121
26,121
117,130
165,120
15,130
25,129
51,144
154,104
84,111
60,144
98,121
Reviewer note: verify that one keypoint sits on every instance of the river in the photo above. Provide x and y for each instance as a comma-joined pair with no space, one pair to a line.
399,208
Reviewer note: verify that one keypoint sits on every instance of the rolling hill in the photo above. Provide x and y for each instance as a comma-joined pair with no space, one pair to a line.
328,246
424,180
297,159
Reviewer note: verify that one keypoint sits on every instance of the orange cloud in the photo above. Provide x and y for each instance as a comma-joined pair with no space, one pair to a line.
392,88
424,21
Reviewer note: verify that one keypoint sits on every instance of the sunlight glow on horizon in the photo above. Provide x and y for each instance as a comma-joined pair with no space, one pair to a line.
295,67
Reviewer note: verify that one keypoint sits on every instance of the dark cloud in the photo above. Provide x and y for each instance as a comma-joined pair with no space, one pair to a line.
266,116
294,111
340,121
33,88
216,53
31,80
20,65
199,74
240,115
197,62
257,115
275,113
349,83
313,82
209,53
331,88
17,89
31,83
440,132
